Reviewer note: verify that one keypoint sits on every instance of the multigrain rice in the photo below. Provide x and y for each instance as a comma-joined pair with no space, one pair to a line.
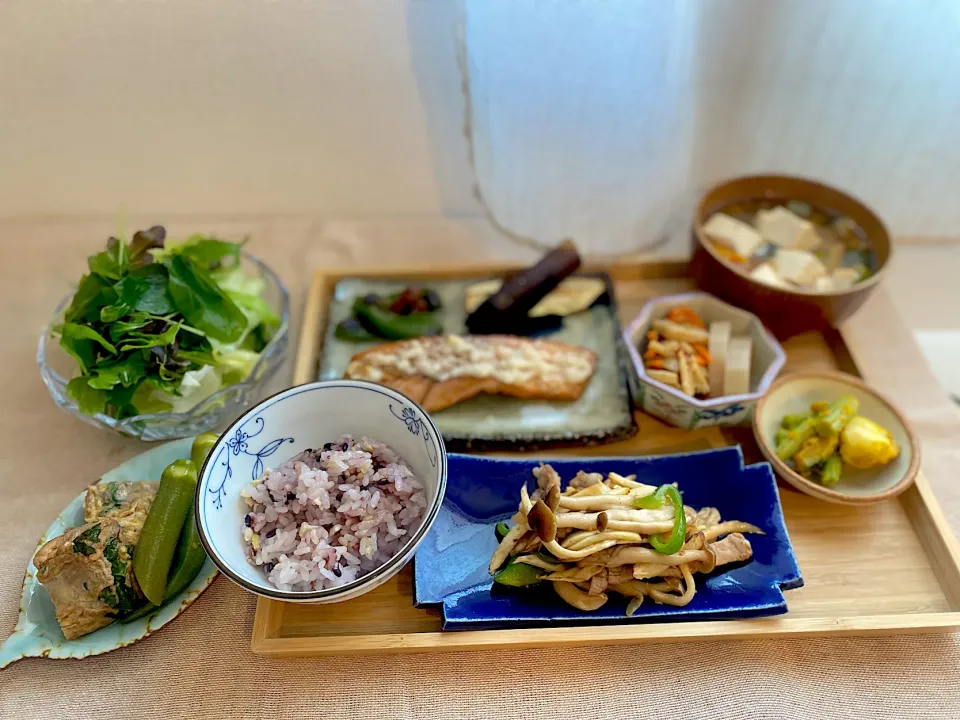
327,517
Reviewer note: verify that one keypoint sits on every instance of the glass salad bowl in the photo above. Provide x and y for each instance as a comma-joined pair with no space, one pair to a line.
57,367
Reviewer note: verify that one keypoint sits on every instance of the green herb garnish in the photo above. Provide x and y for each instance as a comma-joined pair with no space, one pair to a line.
122,599
83,543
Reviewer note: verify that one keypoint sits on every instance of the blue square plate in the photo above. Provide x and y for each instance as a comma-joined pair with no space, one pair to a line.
451,564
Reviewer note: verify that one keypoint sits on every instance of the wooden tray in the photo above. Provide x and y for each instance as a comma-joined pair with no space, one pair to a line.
889,568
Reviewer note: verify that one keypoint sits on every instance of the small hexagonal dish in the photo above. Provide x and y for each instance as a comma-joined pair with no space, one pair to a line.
680,410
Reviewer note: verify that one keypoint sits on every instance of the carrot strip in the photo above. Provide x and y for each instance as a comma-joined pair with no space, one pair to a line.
685,316
652,335
650,354
655,364
703,353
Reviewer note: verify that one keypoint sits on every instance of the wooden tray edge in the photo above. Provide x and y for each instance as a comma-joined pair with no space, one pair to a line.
784,626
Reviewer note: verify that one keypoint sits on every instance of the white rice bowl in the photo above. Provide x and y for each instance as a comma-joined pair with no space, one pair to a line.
327,517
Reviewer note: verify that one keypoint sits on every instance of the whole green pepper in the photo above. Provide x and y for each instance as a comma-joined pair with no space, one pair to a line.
396,327
153,555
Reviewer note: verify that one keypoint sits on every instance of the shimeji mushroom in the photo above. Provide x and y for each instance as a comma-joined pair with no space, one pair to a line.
608,502
596,538
732,526
582,521
572,595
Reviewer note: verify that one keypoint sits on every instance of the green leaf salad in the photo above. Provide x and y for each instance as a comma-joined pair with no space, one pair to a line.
159,327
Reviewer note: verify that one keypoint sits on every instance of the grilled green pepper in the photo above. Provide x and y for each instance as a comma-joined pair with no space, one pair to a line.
161,530
352,331
393,326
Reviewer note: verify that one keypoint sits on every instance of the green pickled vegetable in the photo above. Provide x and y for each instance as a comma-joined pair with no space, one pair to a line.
831,470
519,575
396,327
781,435
190,555
795,438
837,416
814,452
202,445
675,539
500,530
789,422
154,553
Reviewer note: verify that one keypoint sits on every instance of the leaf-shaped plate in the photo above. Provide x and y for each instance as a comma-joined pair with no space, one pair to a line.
37,632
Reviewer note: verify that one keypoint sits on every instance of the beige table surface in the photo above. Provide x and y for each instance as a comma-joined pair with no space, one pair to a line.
201,665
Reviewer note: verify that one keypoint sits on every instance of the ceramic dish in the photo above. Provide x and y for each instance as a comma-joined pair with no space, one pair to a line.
451,568
794,393
680,410
56,368
37,632
487,422
795,310
302,417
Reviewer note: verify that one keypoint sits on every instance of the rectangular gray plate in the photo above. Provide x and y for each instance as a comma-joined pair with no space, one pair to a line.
490,422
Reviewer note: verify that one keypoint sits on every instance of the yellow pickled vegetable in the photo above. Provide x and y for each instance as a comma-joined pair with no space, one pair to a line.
865,444
815,451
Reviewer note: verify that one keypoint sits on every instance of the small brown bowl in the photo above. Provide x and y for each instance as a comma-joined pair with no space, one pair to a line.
794,393
786,312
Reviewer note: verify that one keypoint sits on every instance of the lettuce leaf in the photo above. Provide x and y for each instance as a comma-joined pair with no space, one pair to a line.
90,401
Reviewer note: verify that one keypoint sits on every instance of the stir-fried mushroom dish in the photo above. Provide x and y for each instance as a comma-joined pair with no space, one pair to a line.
613,535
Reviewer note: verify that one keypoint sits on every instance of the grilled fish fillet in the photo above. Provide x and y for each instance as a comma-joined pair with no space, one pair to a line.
438,372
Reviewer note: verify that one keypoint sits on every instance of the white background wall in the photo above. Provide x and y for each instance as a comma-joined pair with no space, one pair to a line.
593,119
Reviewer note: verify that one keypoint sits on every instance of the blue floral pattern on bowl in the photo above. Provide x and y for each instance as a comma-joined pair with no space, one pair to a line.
418,427
239,444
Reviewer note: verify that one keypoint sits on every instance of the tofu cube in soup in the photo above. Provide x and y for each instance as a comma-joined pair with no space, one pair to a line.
799,267
88,573
787,230
733,234
768,275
